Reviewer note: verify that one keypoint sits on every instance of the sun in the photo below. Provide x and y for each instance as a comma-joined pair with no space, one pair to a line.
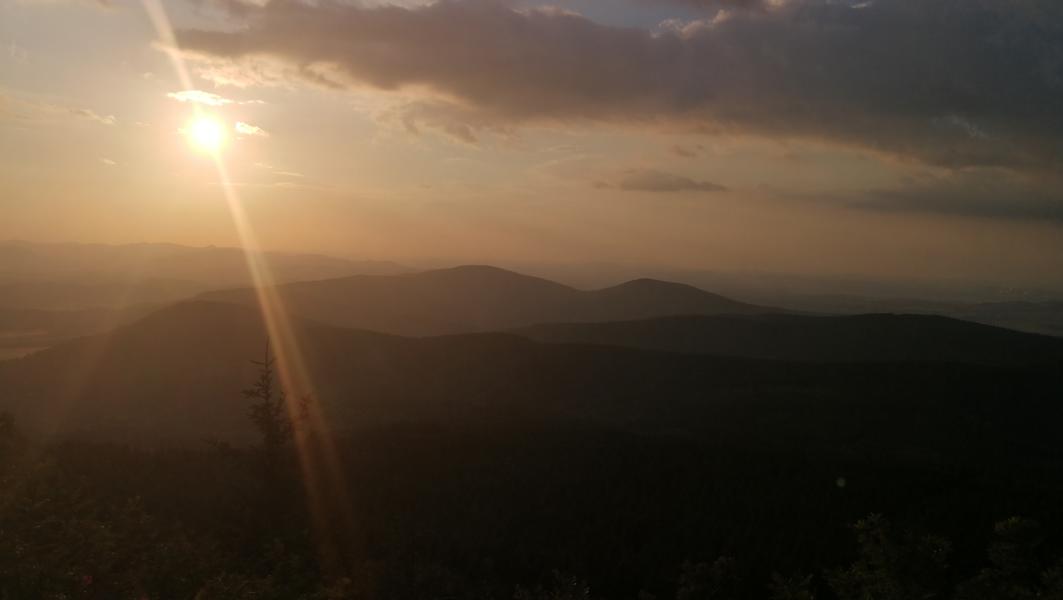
206,134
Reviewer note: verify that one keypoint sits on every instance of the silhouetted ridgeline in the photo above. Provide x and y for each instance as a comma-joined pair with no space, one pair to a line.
172,374
83,276
859,338
50,293
479,298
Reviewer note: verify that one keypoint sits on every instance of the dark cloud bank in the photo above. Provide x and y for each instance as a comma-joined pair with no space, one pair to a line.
952,82
652,180
955,83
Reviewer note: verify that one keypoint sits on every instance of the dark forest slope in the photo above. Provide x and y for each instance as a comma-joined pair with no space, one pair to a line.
178,374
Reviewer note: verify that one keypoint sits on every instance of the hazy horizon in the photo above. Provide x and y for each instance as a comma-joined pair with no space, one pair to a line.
737,281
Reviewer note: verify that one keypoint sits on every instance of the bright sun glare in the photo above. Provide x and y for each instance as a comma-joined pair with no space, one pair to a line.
206,134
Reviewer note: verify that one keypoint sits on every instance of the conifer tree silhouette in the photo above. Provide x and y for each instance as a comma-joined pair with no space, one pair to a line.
270,414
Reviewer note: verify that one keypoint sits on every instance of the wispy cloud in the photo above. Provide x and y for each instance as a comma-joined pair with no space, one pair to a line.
652,180
995,194
33,109
106,4
92,115
966,196
207,98
199,97
250,130
281,174
687,151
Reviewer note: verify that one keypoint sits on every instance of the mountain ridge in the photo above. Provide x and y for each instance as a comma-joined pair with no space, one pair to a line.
179,372
816,338
472,298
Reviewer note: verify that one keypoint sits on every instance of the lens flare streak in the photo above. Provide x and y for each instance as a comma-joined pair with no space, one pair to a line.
325,487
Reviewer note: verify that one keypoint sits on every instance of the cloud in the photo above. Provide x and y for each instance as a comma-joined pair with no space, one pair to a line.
687,151
33,109
728,5
105,4
284,177
199,97
652,180
912,79
966,196
207,98
452,120
993,193
91,115
17,53
250,130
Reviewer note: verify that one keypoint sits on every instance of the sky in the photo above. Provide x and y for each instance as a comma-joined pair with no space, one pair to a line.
882,138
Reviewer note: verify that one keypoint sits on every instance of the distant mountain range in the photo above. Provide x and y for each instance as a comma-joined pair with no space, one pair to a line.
67,276
1044,317
54,292
79,276
860,338
178,374
1036,309
481,298
23,330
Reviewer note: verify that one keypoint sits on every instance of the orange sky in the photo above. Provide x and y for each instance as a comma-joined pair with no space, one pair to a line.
640,131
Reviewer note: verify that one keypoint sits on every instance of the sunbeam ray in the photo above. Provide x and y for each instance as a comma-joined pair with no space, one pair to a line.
323,481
